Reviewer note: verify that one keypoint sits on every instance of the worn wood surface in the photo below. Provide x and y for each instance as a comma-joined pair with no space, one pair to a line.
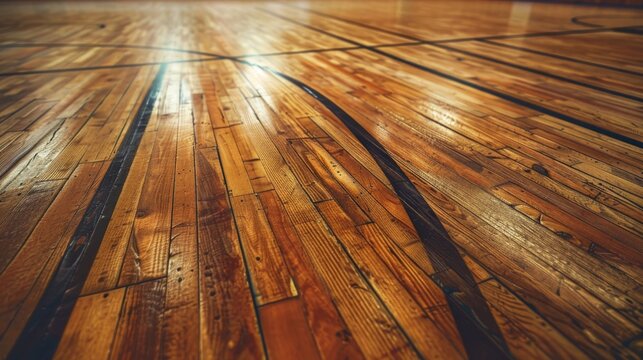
322,180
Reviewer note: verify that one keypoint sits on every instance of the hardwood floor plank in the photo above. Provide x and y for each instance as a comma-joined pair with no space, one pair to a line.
90,331
553,343
229,326
138,332
271,280
32,206
180,334
318,243
329,330
422,332
107,266
147,253
33,266
286,331
324,180
611,49
232,163
21,120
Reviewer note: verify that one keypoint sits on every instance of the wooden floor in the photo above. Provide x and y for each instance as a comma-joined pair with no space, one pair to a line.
320,180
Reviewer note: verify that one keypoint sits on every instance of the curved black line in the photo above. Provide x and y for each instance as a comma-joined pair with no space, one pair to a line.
480,333
491,91
578,20
476,324
474,320
42,333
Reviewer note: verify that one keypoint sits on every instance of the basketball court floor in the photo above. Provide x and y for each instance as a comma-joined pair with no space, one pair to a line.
320,180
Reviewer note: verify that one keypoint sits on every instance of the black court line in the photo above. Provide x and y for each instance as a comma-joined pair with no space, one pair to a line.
627,29
111,46
439,43
490,37
561,57
40,337
296,52
480,333
580,20
632,30
92,68
502,95
213,57
543,34
188,51
543,73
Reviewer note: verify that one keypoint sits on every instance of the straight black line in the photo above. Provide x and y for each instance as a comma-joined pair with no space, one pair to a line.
543,73
518,101
502,95
211,55
40,337
561,57
631,30
295,52
490,37
213,58
585,3
419,41
545,33
93,68
188,51
112,46
411,43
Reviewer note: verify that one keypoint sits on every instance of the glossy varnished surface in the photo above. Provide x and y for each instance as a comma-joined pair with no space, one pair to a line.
389,179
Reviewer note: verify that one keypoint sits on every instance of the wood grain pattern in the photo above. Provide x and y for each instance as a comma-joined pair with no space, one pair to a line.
90,331
138,332
286,319
293,162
